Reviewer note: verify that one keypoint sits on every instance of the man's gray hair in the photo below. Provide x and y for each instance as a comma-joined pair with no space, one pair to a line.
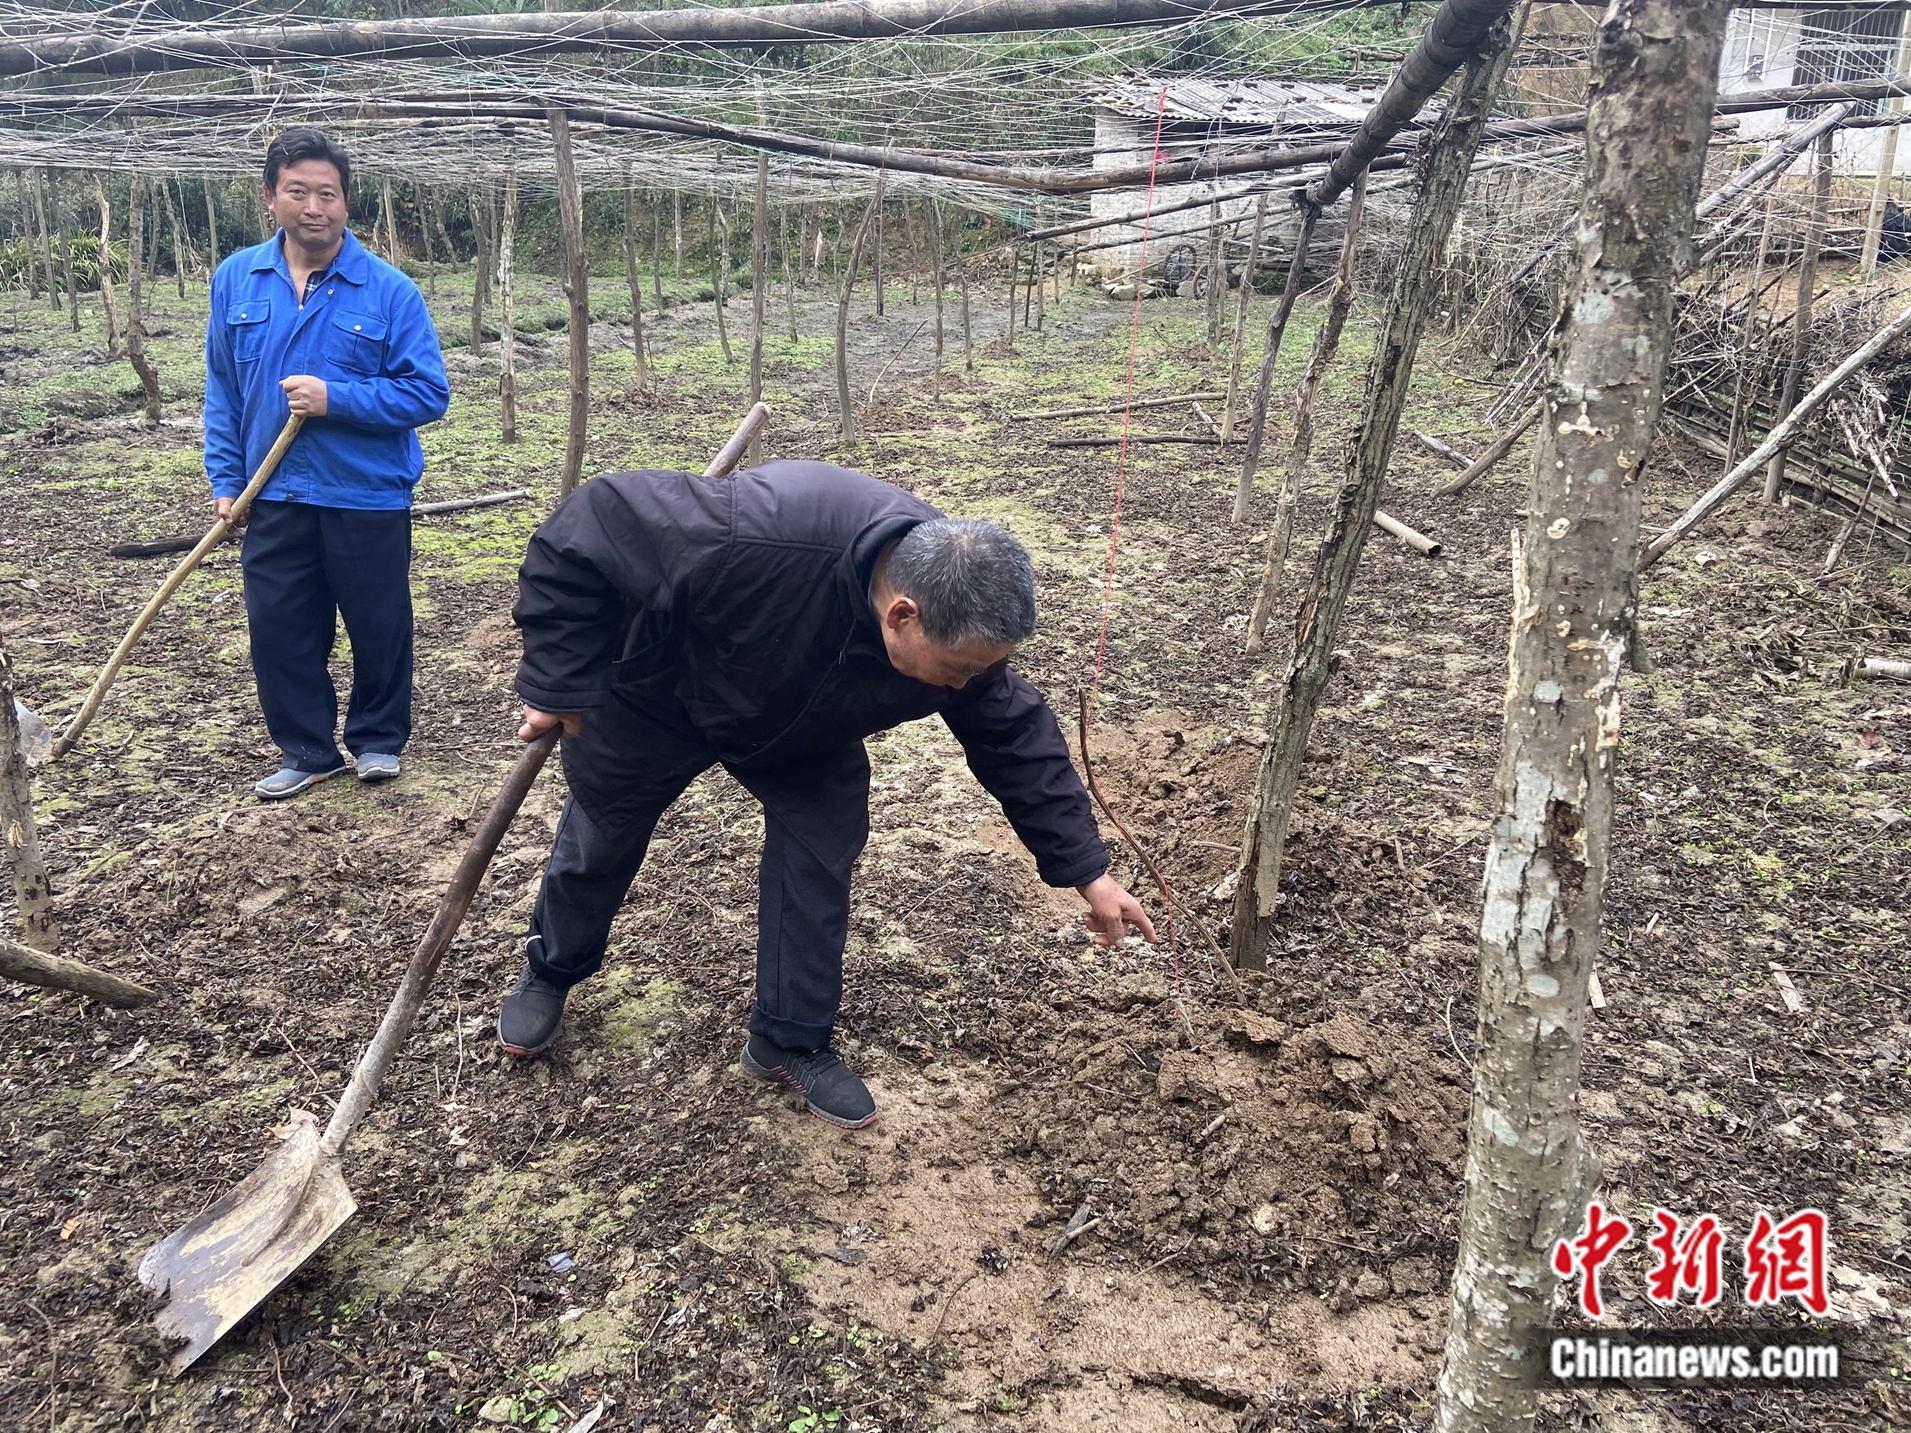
971,581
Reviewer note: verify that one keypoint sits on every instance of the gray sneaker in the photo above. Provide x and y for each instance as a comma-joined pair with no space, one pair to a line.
377,766
290,782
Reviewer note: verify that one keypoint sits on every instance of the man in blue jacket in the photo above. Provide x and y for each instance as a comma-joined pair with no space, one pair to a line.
310,323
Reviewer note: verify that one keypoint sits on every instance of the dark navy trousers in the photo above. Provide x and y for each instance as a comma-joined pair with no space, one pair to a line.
816,821
305,567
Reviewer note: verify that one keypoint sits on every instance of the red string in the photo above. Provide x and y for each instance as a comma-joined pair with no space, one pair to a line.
1121,473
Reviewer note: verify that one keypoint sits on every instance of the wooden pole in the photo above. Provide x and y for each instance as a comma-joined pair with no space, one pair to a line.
577,285
1240,319
180,247
1264,389
421,197
934,220
1217,275
1490,459
135,324
962,279
844,401
1326,346
759,284
66,250
106,268
1388,378
789,270
1529,1173
19,833
507,303
212,230
481,268
657,251
55,972
676,227
31,267
46,242
1015,284
633,280
882,180
1887,162
720,272
391,222
1802,308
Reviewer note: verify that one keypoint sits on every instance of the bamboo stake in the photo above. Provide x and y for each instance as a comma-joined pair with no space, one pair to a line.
214,535
1418,541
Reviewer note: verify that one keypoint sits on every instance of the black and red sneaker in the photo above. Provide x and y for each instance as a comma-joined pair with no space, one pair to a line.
830,1089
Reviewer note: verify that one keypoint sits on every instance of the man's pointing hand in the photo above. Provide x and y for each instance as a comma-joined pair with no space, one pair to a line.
1111,910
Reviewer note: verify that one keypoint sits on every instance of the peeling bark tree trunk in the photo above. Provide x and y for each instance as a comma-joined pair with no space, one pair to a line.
135,336
1801,312
635,281
106,268
1326,345
507,305
32,891
1388,378
1654,71
842,324
577,284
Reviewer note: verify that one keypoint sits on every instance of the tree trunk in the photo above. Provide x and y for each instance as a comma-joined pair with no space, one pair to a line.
1257,890
480,269
46,241
759,290
1654,72
32,266
180,247
212,231
66,250
1326,345
577,285
1802,310
842,325
135,330
720,273
1240,322
421,196
1264,389
657,252
152,249
391,220
676,222
634,281
934,219
962,280
507,305
106,268
789,271
19,835
1015,284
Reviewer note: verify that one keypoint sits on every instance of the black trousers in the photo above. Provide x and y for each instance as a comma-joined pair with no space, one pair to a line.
306,566
816,821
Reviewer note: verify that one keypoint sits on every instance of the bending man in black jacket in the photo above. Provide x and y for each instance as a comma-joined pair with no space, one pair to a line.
769,622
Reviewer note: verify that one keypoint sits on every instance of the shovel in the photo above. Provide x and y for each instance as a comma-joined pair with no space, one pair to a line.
219,1266
214,535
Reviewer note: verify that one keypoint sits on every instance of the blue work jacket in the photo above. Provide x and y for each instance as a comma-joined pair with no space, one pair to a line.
366,332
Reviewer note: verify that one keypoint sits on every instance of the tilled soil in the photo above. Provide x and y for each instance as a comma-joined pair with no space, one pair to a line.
1267,1178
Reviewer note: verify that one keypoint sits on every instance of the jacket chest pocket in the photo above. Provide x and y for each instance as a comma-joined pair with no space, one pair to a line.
245,328
356,342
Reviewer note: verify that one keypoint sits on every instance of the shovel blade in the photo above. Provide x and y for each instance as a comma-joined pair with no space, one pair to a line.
218,1267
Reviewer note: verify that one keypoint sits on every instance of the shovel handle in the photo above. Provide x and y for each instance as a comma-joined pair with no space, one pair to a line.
110,672
392,1030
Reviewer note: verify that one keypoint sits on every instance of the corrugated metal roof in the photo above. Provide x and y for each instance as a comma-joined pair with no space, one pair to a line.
1288,103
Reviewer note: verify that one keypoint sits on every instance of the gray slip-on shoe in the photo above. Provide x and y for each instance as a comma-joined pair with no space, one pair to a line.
290,782
377,766
830,1089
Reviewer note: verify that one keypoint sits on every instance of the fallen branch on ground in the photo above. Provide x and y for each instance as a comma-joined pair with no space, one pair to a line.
56,972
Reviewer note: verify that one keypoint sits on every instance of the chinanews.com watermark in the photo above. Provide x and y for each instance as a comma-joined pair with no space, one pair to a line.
1780,1260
